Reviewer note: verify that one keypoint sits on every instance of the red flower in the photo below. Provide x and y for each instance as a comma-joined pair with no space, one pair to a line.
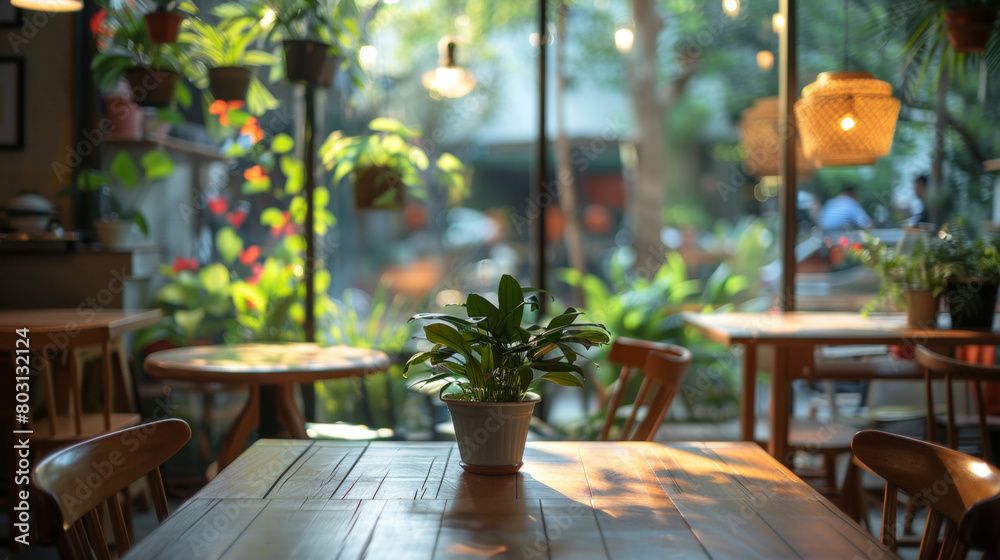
856,246
97,20
843,241
185,264
255,173
255,272
236,218
217,205
251,254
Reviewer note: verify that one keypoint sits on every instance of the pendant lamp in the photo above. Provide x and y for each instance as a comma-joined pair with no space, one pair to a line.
846,118
762,141
448,79
48,5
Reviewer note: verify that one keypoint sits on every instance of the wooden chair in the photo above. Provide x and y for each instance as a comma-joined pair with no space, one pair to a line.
663,366
107,465
961,491
936,366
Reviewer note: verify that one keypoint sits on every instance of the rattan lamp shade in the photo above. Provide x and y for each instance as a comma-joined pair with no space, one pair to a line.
762,141
846,118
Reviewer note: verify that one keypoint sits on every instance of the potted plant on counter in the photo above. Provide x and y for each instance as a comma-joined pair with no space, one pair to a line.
912,278
971,269
487,363
387,164
220,55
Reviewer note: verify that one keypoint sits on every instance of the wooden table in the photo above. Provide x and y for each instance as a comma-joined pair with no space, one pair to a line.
576,500
794,335
280,366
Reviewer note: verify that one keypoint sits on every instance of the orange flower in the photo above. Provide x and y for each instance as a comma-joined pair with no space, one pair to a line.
255,173
252,130
251,254
222,108
182,263
280,228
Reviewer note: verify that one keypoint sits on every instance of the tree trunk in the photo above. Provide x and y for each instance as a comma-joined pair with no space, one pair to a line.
648,194
564,170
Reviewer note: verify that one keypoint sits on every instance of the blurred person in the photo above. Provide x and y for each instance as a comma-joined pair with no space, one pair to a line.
844,212
920,190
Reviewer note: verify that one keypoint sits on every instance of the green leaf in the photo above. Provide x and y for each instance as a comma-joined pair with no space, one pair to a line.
261,185
385,124
176,294
237,117
214,278
563,378
124,169
511,305
282,143
525,376
566,318
440,333
294,171
448,162
188,320
140,221
272,217
157,164
229,244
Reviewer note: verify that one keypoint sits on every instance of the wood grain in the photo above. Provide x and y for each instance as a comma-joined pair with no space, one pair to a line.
387,500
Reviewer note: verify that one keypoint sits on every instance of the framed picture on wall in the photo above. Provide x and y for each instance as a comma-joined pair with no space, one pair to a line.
11,103
9,15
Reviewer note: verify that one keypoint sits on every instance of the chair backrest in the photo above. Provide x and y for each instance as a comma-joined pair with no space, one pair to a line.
663,366
961,491
84,481
958,370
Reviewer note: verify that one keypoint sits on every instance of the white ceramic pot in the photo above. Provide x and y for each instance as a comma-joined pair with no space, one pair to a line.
114,234
491,436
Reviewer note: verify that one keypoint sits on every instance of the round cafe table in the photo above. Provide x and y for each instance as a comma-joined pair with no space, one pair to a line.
279,366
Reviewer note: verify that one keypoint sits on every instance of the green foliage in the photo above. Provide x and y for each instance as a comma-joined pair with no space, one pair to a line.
125,172
491,357
392,145
922,268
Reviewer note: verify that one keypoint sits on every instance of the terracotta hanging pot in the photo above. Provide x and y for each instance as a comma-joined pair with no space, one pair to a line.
308,61
151,87
163,26
969,29
229,83
378,188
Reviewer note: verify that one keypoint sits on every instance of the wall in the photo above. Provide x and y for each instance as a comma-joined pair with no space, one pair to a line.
45,41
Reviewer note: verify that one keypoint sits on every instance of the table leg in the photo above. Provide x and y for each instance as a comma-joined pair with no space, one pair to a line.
238,433
748,393
780,407
288,413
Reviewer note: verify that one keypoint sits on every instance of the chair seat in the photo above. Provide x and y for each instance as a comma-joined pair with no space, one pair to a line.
92,425
812,435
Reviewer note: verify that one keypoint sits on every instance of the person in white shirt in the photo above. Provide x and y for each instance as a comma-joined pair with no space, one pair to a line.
843,212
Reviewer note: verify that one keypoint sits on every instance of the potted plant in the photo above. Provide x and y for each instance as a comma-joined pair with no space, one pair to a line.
163,24
150,68
117,217
911,278
387,165
309,37
971,269
969,23
220,54
487,364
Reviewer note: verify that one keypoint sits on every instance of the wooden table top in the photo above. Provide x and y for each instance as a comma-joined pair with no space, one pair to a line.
826,328
579,500
117,321
264,364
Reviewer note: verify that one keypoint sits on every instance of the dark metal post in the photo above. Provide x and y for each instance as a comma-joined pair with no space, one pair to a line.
309,158
788,94
539,196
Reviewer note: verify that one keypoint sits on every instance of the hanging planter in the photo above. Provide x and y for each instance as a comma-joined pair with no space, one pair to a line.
151,87
378,188
162,26
308,61
969,29
229,83
846,118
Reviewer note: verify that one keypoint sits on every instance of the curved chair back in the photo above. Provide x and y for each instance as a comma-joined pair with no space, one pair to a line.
85,479
962,492
664,366
937,366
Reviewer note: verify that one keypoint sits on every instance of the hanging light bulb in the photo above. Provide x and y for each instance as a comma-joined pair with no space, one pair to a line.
847,118
731,7
48,5
448,79
624,38
777,23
